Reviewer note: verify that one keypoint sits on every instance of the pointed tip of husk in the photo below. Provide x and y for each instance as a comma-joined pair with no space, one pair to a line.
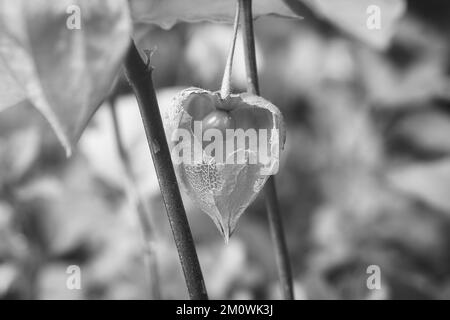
225,231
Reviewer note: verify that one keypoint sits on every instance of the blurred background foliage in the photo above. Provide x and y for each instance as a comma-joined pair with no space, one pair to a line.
364,179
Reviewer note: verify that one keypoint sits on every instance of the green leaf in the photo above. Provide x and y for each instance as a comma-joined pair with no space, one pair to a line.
65,73
167,13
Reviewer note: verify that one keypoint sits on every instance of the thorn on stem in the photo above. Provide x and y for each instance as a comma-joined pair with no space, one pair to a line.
148,54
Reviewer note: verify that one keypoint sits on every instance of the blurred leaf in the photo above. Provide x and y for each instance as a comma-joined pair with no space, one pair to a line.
119,268
430,131
429,182
52,283
18,152
14,251
351,16
413,71
65,73
167,13
167,57
105,161
72,209
391,87
310,61
206,52
11,93
445,92
8,274
229,264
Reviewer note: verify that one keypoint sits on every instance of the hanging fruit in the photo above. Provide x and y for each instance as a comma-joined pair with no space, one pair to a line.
224,147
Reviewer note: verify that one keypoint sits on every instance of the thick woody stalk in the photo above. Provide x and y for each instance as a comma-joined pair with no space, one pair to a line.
140,79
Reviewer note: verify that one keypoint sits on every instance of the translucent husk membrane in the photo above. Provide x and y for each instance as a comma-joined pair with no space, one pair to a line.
223,187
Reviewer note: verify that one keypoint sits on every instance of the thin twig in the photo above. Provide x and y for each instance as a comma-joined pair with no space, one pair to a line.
226,80
273,211
141,208
249,46
140,79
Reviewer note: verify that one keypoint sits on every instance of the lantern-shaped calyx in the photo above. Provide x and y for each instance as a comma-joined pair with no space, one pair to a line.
223,150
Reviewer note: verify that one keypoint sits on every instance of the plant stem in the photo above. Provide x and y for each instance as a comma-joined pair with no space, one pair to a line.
273,211
141,208
278,239
249,46
226,80
140,79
